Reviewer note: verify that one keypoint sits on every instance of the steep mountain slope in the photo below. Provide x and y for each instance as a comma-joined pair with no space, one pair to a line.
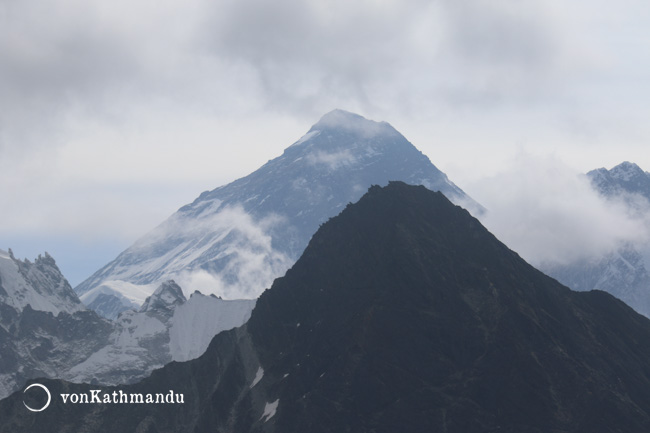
623,271
46,331
403,314
236,239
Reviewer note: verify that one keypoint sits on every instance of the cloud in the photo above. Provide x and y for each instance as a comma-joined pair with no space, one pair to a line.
124,98
549,213
223,251
333,160
311,54
75,58
77,62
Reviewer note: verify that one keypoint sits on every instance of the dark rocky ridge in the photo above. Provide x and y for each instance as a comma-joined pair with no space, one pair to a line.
403,314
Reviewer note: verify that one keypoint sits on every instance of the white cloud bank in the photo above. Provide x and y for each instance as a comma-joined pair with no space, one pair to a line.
549,213
187,250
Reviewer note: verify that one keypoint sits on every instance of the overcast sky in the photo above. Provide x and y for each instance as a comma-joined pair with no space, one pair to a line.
113,114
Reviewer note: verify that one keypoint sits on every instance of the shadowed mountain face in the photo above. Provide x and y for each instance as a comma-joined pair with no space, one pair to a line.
403,314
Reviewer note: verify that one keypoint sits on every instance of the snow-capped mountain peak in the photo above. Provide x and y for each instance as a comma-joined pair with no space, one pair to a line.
344,121
625,178
626,171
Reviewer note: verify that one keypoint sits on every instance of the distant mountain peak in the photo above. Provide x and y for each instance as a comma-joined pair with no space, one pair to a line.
622,271
625,178
166,297
626,171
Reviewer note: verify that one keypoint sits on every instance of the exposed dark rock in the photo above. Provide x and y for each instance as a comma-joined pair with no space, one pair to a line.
403,314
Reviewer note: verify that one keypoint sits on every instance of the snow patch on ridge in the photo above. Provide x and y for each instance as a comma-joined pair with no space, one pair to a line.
258,376
269,410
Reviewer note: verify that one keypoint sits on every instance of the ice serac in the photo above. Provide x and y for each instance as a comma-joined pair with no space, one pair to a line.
623,271
403,314
234,240
198,320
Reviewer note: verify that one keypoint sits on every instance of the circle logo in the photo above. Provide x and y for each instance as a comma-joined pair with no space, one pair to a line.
49,397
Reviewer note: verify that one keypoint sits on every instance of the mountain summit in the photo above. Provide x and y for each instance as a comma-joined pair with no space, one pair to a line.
341,120
234,240
403,314
625,178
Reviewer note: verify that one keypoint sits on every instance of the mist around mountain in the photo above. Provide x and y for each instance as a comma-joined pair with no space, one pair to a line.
623,270
625,180
403,314
45,331
234,240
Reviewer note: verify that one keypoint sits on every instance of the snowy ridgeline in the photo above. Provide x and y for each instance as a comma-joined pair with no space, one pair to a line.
45,331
